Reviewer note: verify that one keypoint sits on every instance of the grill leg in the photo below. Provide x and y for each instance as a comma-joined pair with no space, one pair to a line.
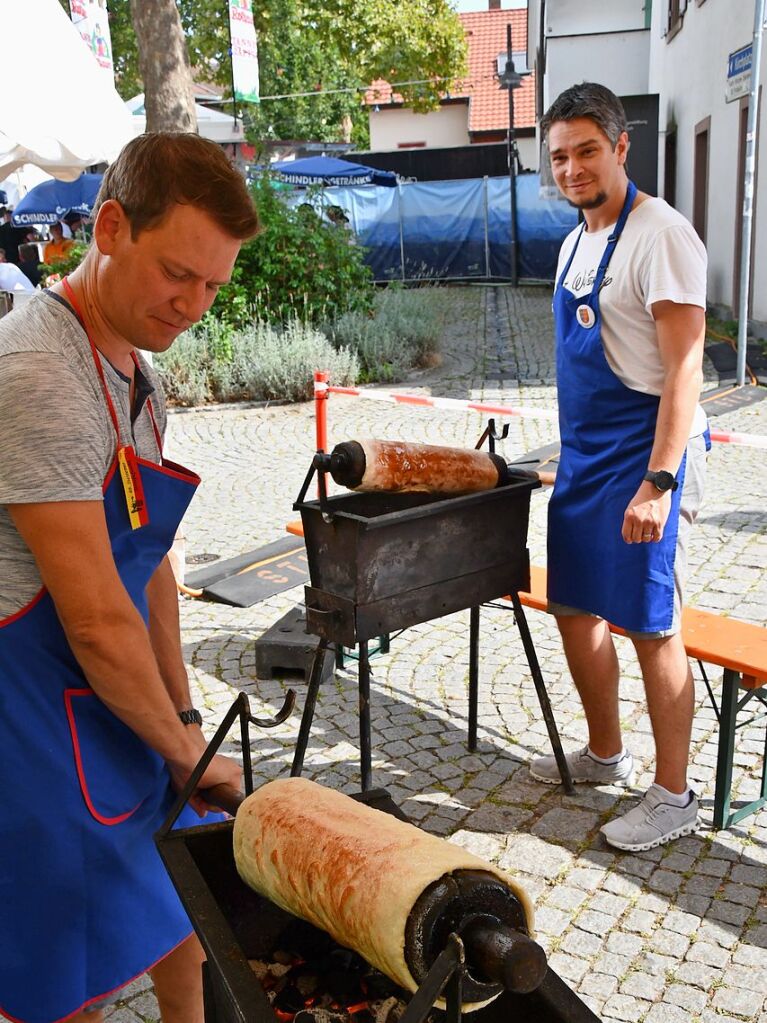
473,677
543,696
364,703
315,677
728,718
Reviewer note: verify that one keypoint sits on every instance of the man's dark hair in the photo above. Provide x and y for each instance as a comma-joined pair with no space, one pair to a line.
590,100
28,252
158,170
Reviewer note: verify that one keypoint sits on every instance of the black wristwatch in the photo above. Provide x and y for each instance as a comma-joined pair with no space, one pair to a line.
662,480
190,716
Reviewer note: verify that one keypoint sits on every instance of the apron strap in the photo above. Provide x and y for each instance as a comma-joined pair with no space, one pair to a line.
612,241
96,358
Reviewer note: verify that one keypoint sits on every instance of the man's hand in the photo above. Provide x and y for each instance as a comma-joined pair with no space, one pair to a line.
645,518
220,771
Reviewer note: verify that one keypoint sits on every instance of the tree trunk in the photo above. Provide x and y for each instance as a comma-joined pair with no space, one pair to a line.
164,62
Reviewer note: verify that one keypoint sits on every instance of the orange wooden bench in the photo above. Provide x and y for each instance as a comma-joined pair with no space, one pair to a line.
738,648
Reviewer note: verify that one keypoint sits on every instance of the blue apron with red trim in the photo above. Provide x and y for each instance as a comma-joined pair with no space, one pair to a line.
607,432
86,904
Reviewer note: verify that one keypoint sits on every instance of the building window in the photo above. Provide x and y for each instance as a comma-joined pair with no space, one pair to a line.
675,17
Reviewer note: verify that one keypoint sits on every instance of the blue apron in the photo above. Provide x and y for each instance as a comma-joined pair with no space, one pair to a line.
607,432
86,904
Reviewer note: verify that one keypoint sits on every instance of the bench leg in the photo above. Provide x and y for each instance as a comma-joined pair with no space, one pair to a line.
315,677
543,696
473,677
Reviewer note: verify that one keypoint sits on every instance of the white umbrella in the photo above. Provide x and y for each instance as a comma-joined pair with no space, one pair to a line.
211,124
62,116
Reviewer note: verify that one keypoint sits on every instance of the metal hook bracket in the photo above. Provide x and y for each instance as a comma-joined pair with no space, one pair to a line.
491,436
239,709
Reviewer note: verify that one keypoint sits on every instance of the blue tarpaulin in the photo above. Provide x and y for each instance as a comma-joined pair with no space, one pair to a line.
455,229
52,200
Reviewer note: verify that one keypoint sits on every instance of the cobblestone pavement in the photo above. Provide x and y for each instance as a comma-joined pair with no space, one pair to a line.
678,933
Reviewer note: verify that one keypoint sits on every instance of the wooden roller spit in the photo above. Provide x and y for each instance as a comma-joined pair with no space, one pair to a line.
385,888
396,466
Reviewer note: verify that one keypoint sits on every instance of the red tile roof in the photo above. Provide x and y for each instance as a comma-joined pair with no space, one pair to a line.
488,104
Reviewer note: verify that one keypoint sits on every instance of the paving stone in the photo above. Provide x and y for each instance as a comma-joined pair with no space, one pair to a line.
570,827
624,944
728,912
686,997
738,1000
624,1007
598,984
755,979
643,985
699,974
711,955
547,860
580,943
640,921
669,943
667,1013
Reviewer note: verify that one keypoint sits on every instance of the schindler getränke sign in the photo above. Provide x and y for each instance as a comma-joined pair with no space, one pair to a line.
739,73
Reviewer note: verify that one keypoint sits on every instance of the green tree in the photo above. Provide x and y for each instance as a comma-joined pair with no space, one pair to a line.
315,48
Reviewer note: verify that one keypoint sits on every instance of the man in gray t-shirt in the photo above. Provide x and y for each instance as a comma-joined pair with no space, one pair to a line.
97,730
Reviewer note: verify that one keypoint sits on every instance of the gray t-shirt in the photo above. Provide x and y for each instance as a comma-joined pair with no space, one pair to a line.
57,439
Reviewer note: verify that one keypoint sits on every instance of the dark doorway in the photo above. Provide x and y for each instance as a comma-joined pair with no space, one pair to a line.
700,178
669,171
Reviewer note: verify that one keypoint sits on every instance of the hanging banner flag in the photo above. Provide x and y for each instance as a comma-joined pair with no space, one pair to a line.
244,51
91,20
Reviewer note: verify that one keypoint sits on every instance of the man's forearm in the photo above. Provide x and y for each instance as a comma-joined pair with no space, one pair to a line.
678,402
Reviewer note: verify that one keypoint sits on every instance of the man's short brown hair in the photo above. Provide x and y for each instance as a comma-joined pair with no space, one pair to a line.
158,170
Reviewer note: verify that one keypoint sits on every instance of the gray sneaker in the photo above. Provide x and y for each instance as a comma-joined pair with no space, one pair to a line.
583,767
652,823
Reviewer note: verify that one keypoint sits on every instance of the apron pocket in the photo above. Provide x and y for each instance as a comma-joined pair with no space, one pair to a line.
116,769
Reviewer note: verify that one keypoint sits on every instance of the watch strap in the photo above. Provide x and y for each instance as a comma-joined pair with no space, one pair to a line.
190,716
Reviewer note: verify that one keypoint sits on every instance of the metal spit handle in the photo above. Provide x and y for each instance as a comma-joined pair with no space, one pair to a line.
224,796
504,955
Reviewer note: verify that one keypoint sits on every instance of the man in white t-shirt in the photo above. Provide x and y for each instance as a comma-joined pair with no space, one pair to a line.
629,309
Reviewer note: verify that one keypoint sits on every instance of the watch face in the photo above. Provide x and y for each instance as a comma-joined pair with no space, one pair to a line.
664,480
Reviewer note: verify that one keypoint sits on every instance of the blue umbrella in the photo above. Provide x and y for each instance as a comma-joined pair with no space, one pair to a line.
327,170
52,200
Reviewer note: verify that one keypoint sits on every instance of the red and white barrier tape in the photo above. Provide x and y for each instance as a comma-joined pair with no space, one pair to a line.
322,389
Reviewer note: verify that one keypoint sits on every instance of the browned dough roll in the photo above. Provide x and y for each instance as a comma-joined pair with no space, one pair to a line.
397,466
350,870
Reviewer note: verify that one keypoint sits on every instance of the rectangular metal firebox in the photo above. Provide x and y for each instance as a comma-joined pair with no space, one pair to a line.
379,562
236,924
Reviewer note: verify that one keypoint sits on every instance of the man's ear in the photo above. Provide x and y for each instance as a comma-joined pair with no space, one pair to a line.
111,228
622,147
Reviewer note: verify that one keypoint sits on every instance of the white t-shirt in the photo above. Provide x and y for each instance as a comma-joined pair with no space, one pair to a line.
12,279
658,257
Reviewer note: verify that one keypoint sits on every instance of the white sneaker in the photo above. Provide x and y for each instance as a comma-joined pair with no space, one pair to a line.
584,767
653,822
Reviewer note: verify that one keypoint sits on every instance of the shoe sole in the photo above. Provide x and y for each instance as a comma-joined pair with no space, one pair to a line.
686,829
621,782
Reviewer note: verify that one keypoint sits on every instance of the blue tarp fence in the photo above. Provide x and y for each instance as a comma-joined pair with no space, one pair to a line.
455,229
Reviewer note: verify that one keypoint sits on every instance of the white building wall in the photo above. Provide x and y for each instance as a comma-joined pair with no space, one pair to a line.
689,73
393,126
579,17
529,153
620,61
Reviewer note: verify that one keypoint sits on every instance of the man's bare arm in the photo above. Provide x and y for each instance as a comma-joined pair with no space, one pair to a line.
165,634
681,332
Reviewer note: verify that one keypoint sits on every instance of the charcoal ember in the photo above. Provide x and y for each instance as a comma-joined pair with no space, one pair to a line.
289,999
387,1011
379,986
306,980
258,967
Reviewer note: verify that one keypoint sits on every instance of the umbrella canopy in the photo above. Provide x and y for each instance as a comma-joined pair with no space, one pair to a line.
52,200
328,170
63,126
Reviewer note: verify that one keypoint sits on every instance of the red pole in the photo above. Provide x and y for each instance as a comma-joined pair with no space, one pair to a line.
321,376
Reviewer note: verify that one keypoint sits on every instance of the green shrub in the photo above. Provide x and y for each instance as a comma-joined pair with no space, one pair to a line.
298,266
266,362
403,331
